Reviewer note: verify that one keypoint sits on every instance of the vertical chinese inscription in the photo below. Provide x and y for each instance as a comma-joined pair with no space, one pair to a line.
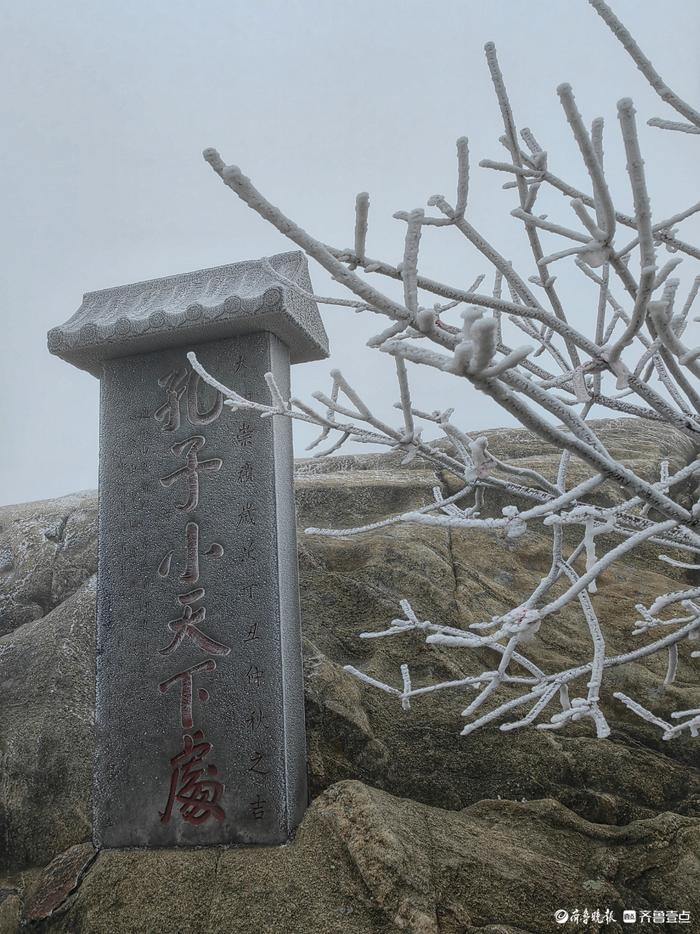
198,635
194,786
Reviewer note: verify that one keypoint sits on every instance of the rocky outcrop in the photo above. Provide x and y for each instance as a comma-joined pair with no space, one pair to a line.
412,827
46,732
365,861
47,550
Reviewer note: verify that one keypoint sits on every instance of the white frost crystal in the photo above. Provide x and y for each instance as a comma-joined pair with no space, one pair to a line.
633,359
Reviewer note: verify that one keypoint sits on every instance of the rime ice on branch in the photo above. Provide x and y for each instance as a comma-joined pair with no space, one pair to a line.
635,358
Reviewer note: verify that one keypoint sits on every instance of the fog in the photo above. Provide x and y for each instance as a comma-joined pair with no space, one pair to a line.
107,107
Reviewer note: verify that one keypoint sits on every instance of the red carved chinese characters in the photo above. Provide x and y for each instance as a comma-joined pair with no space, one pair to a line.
195,789
190,472
185,679
176,384
190,575
186,625
197,796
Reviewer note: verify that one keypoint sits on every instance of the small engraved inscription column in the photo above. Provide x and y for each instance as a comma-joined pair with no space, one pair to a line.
200,704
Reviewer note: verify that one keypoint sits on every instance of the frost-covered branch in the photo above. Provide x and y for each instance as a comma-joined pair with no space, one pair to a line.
621,346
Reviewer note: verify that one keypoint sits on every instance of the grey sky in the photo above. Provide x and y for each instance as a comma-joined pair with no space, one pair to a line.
107,106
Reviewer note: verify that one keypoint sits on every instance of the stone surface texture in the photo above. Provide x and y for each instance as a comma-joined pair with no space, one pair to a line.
198,636
47,549
366,861
10,911
209,304
411,828
60,878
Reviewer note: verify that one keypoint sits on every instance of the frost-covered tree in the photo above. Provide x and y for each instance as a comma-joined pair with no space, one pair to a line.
634,359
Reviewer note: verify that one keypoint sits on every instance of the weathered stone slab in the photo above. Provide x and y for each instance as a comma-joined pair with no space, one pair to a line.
205,305
200,728
199,702
58,880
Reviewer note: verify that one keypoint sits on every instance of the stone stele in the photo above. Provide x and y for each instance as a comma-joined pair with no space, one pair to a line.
200,708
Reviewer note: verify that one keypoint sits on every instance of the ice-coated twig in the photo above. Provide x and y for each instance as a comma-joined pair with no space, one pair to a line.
634,355
673,125
642,712
392,520
323,300
406,694
462,175
688,357
635,169
643,63
601,194
679,564
570,191
409,270
527,195
549,226
361,215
